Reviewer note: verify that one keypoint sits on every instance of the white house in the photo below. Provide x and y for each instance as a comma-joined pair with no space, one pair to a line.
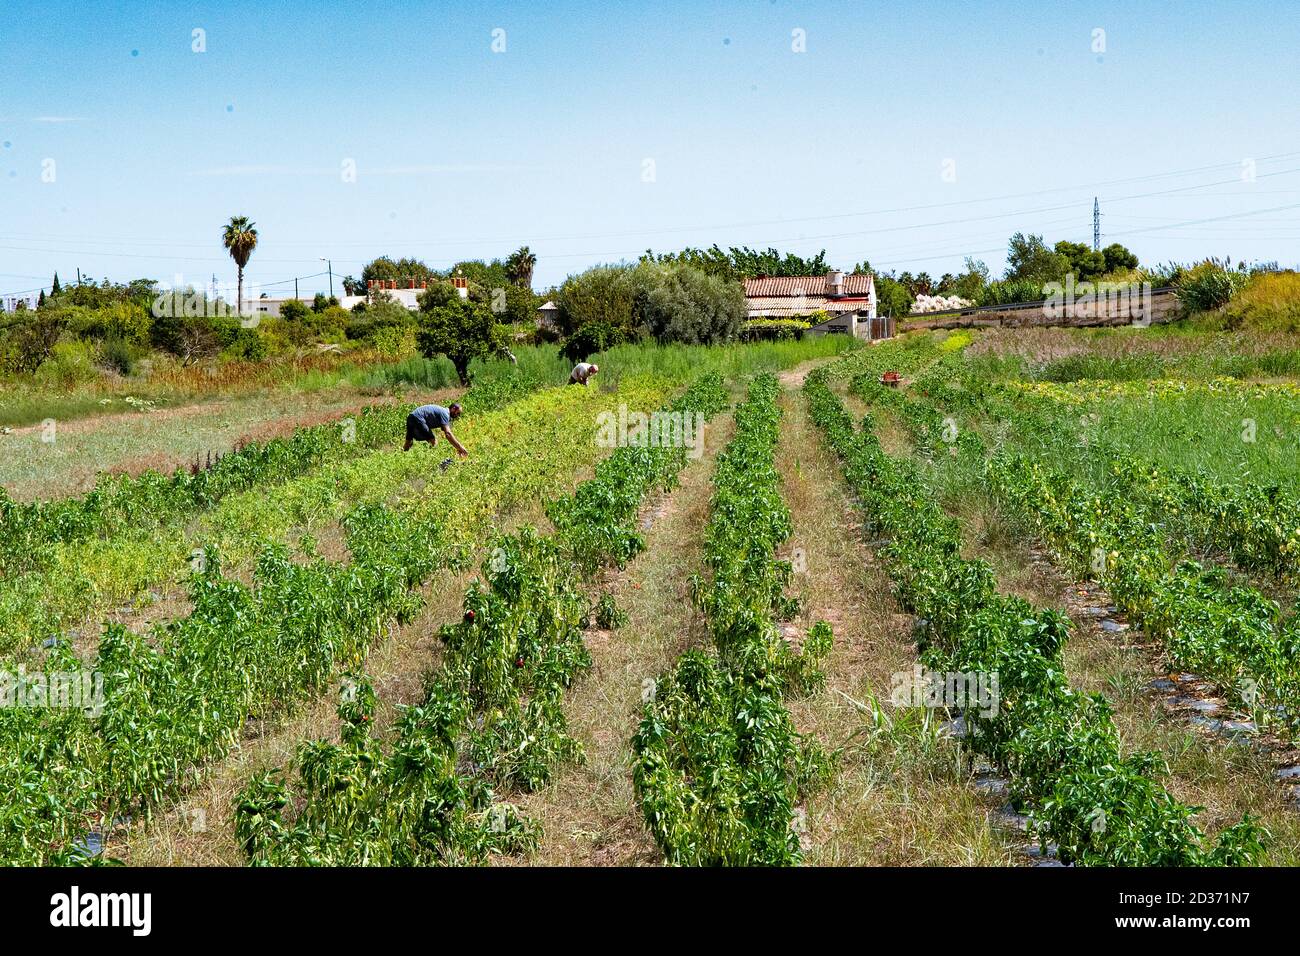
405,292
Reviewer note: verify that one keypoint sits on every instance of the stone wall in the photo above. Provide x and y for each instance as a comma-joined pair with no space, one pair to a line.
1164,308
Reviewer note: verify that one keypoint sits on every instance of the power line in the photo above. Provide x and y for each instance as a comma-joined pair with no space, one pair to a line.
757,222
1190,222
926,225
802,238
1197,222
260,285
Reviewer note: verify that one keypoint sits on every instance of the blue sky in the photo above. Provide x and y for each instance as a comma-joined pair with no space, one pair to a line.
907,134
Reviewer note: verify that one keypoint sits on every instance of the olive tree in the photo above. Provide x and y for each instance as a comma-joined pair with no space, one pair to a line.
678,303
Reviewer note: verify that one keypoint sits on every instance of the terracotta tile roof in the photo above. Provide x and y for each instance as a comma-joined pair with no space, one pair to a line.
780,307
809,286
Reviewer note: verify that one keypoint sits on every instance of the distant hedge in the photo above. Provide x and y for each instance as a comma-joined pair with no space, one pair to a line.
774,329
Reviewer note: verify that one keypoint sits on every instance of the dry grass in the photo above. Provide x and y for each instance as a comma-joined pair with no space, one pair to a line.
1043,345
161,439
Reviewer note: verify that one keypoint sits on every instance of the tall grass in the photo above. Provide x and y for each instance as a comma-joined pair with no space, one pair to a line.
1269,302
30,400
737,359
1209,285
1127,368
543,363
1179,351
540,363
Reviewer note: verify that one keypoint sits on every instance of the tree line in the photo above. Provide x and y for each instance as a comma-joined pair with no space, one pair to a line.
692,296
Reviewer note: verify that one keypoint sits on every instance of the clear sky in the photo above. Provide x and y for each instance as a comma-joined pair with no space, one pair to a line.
908,134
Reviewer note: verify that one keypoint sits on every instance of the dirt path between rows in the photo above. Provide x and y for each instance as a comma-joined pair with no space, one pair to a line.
589,813
1218,759
899,796
792,378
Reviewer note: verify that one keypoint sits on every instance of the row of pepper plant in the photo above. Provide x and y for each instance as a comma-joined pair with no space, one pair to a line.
1118,535
492,720
122,502
63,562
182,694
1252,522
718,766
1060,747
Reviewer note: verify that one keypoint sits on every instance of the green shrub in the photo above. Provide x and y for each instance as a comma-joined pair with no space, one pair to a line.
774,329
280,335
1209,285
393,341
600,297
27,341
239,343
329,324
120,320
893,297
1009,291
294,310
119,355
187,337
362,325
589,339
70,364
676,303
669,301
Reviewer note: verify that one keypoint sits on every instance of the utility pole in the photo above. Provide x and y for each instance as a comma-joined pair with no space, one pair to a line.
1096,225
295,287
330,265
78,277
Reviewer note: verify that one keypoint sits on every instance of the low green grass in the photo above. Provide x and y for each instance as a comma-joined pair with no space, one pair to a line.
678,362
542,362
1227,436
734,360
1160,394
1228,432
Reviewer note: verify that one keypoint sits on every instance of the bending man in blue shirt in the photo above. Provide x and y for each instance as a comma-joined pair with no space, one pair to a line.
422,424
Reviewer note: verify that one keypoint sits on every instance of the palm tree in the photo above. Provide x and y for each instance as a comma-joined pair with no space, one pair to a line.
240,239
520,267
